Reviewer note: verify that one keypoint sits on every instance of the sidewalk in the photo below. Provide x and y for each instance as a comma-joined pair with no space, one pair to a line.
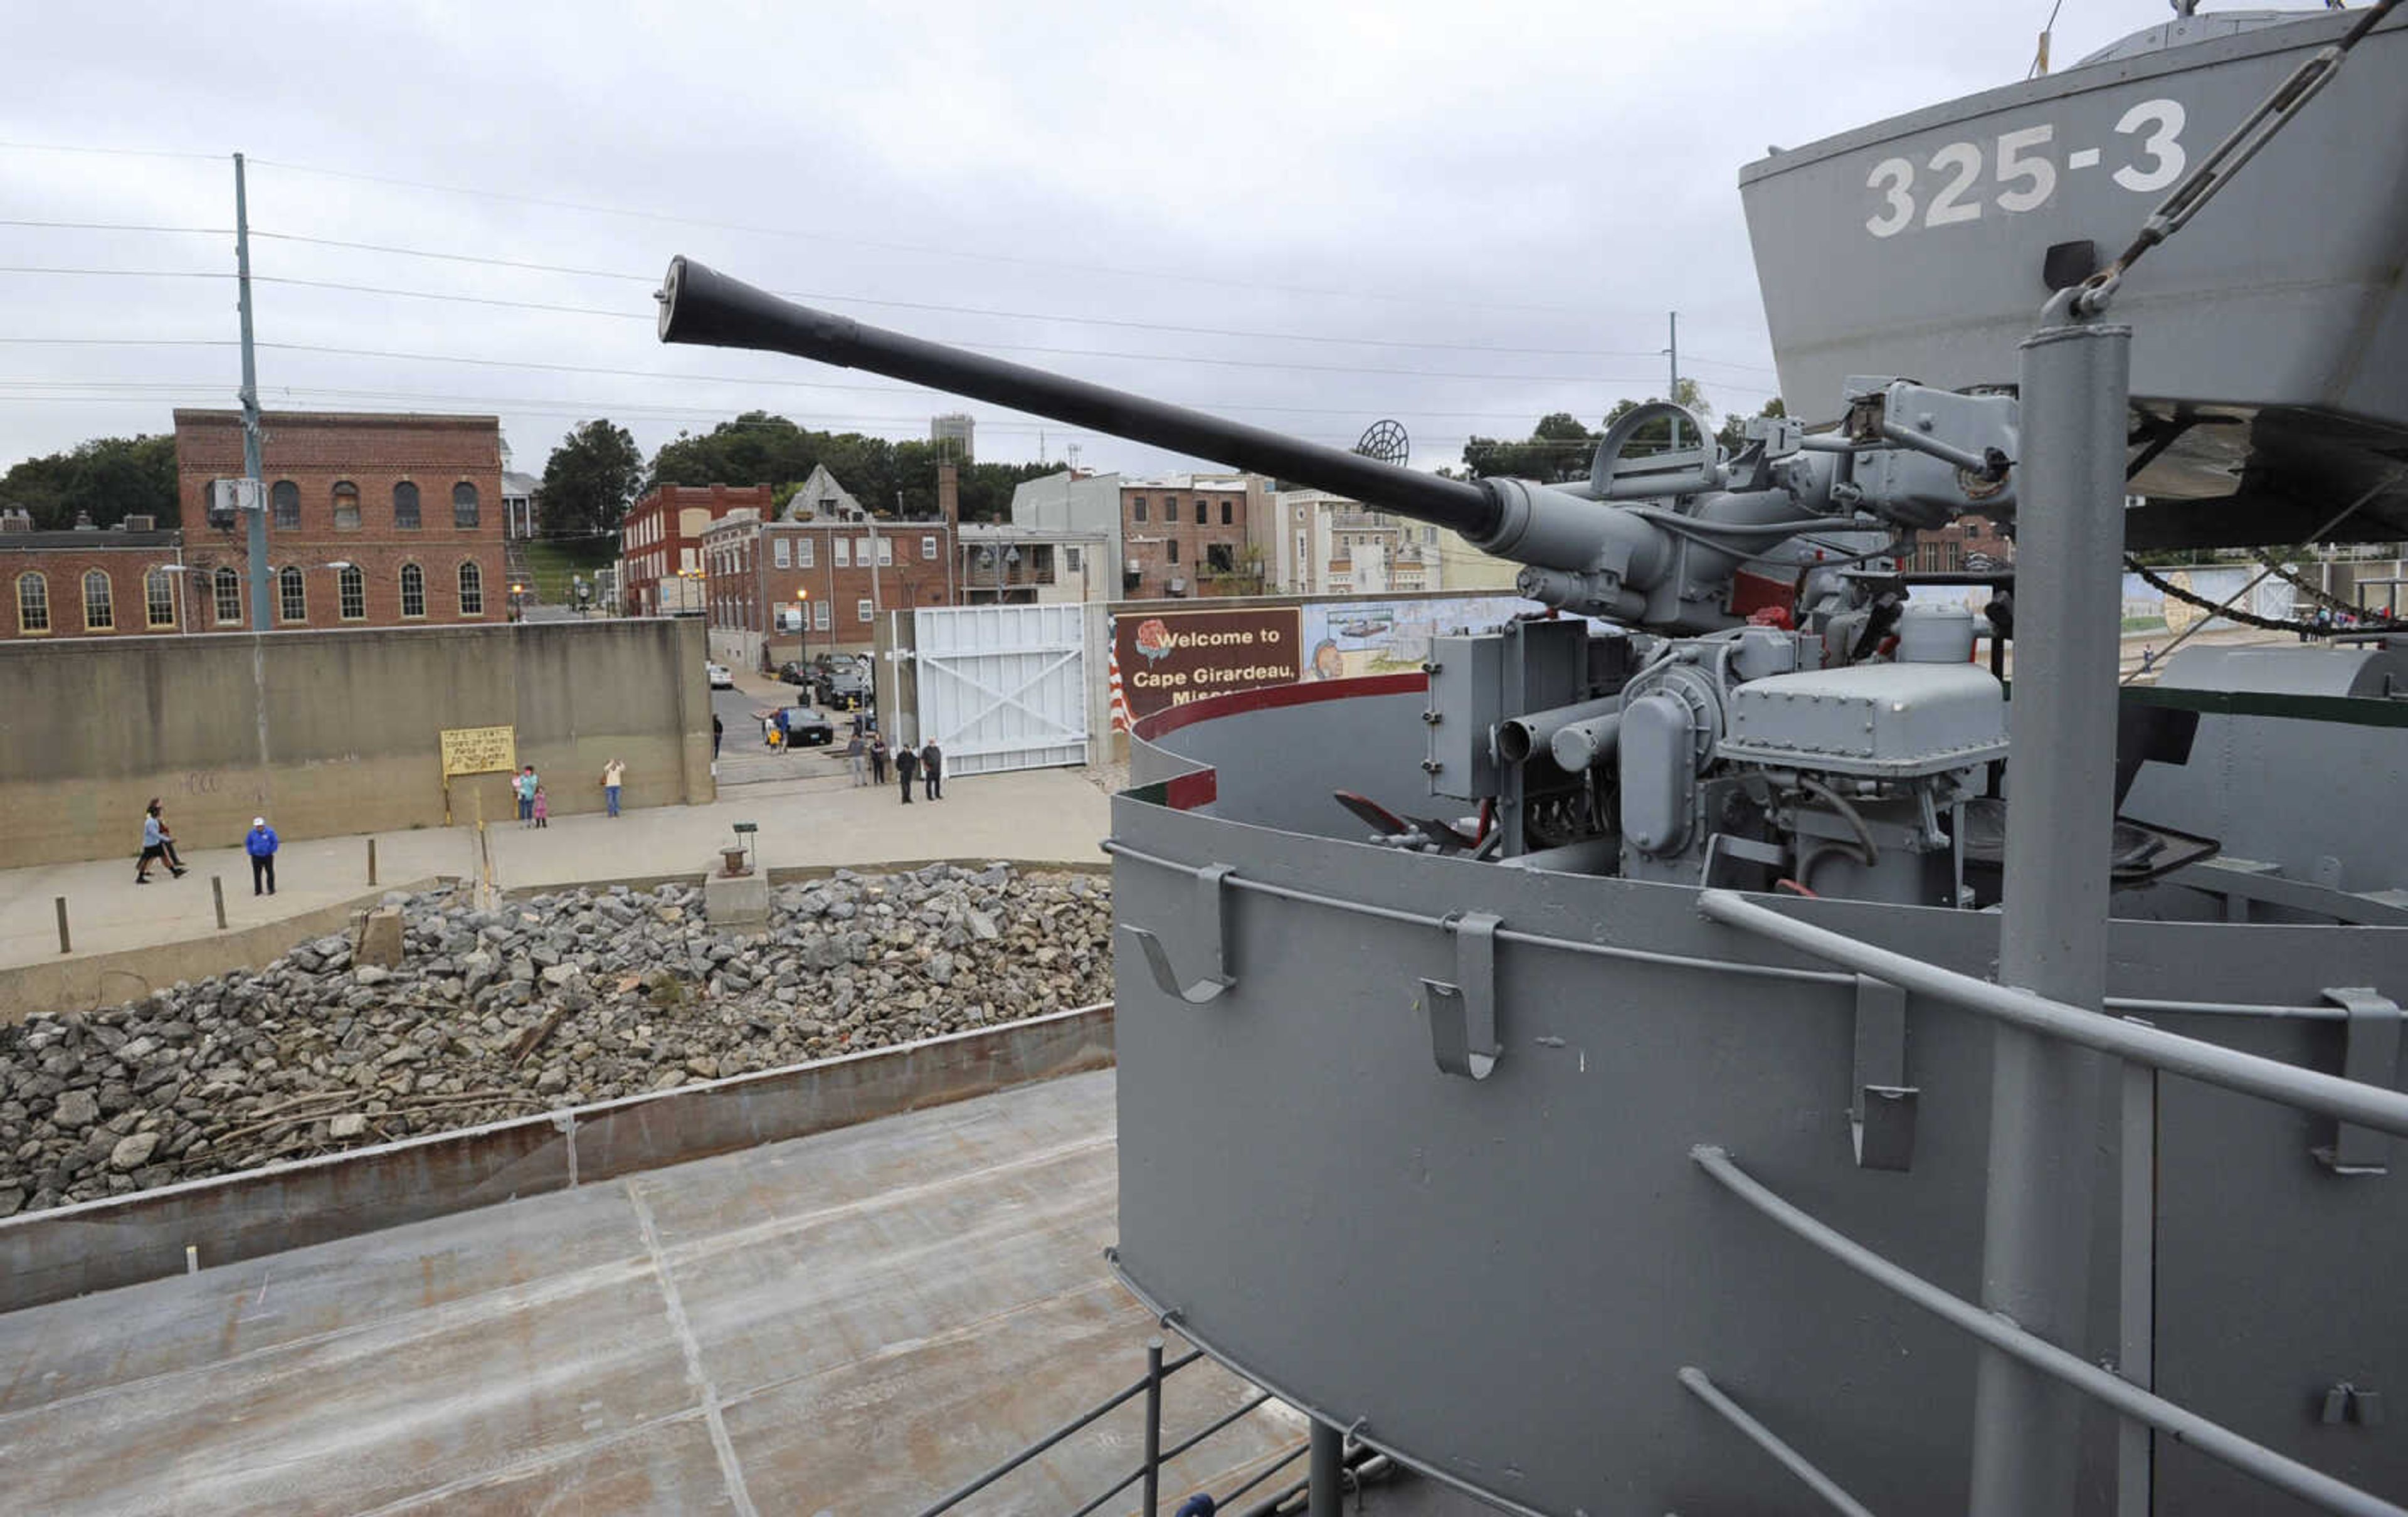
1050,814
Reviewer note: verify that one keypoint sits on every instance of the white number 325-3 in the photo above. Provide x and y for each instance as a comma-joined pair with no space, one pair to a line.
2026,173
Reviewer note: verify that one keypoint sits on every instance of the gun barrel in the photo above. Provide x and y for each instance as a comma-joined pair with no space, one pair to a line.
700,305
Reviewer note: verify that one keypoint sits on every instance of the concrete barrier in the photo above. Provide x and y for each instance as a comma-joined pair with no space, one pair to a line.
90,980
101,1245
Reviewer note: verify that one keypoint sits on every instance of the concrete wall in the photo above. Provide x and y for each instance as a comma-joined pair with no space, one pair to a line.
330,733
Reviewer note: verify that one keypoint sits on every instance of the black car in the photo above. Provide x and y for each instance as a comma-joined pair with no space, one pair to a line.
806,728
792,673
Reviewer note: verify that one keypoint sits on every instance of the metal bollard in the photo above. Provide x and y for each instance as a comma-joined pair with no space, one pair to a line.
66,946
217,893
1153,1425
371,861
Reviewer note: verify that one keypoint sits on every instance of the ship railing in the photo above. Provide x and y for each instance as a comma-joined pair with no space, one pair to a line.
1149,1470
2137,1044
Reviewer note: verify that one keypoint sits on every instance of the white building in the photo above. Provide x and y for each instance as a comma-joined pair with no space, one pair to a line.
1075,508
1321,544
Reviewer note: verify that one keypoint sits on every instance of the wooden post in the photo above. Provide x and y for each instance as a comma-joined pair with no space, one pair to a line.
371,861
66,946
217,893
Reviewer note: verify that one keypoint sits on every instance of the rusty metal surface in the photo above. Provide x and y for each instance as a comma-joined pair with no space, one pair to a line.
850,1322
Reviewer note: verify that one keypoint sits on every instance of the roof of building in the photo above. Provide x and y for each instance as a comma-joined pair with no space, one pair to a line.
198,418
514,483
92,538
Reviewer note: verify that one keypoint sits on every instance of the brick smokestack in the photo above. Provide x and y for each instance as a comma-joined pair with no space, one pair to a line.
949,493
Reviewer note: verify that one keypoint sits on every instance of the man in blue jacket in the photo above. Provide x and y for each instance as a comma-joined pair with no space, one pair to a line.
260,843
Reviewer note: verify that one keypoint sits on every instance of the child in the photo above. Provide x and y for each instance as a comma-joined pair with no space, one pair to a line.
542,806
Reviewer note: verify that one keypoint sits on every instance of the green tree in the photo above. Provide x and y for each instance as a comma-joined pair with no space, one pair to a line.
1558,450
108,478
590,479
1732,436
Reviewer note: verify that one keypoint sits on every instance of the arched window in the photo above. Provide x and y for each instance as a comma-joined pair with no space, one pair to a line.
472,589
99,614
226,588
352,589
464,505
413,590
291,594
347,507
159,598
405,506
285,497
33,603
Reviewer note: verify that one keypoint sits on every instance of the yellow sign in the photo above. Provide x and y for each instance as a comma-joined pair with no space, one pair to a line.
478,749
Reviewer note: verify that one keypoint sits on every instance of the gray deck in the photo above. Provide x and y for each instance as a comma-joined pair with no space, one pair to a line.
849,1323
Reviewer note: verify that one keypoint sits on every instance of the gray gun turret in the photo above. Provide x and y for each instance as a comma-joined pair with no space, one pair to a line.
1650,539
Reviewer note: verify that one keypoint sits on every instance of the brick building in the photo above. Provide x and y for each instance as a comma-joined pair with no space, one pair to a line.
660,543
1972,544
90,582
372,519
1181,532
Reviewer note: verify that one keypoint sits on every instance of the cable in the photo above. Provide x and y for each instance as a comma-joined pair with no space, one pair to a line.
121,226
115,153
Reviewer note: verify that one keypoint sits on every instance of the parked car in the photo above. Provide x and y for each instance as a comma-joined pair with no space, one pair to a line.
720,677
804,727
846,688
792,673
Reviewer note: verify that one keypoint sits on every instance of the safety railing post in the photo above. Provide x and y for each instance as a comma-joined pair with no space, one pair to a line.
1152,1424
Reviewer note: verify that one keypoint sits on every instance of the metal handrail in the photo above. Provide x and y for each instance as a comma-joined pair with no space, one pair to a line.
1766,1438
2210,1438
1150,1469
2309,1090
1684,961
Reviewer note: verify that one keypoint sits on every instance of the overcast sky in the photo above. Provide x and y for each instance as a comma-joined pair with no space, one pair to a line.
1305,215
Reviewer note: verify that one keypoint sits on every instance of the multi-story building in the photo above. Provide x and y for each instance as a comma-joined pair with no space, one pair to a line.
372,519
660,543
815,579
90,582
1970,544
1013,564
1189,534
1321,544
957,431
1076,507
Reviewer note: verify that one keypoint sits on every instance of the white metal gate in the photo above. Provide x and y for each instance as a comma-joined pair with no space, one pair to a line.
1003,687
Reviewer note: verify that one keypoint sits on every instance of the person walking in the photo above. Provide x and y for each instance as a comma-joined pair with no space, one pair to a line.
855,753
877,759
718,730
524,784
614,774
166,837
932,769
261,843
906,761
155,845
542,806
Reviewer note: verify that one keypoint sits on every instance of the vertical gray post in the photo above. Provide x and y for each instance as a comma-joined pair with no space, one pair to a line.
371,861
257,530
1324,1472
1672,364
2136,1283
2052,938
66,945
1152,1424
217,894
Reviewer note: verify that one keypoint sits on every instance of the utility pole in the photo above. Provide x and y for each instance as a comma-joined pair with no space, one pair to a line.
1673,362
257,505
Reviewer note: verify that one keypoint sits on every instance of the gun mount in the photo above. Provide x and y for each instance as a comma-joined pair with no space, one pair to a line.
1651,541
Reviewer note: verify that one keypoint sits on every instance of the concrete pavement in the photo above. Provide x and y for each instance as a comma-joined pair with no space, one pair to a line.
820,821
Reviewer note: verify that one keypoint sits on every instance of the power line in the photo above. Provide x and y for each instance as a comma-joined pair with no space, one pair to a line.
876,245
113,153
119,227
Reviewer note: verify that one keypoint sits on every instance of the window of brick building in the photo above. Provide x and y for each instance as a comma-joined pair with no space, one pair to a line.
1221,558
1203,513
351,593
284,497
821,615
226,592
782,553
159,598
1170,507
472,589
804,552
886,553
464,505
99,614
1226,509
844,552
1137,508
1173,546
33,603
927,550
405,506
347,507
865,609
292,595
413,590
